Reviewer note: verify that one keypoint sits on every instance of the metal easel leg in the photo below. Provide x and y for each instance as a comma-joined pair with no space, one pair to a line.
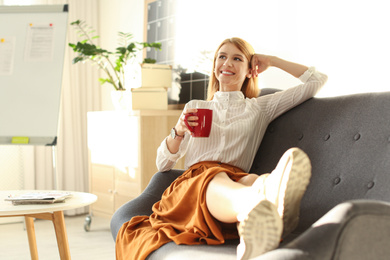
55,173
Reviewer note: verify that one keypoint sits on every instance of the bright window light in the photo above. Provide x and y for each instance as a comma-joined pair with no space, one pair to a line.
18,2
348,40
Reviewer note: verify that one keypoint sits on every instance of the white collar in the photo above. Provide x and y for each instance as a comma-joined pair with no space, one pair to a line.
228,96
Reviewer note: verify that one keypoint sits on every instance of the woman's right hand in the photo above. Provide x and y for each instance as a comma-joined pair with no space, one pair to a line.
181,126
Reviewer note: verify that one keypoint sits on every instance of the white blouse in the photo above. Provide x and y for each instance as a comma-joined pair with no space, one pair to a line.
238,125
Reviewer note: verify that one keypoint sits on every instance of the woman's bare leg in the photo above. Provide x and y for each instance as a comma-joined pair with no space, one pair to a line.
226,199
259,207
249,179
260,226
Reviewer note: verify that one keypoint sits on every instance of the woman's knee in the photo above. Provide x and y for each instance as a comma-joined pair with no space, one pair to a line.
249,179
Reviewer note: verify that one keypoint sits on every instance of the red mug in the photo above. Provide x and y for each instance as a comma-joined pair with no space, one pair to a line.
205,119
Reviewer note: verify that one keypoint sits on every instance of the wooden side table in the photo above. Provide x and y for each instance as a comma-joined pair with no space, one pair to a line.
53,212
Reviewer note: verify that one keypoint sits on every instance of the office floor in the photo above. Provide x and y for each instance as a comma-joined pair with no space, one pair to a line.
96,244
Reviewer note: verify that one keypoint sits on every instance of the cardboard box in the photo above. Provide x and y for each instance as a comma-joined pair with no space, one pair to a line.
149,98
156,75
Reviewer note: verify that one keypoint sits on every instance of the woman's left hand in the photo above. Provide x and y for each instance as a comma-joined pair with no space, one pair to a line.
260,63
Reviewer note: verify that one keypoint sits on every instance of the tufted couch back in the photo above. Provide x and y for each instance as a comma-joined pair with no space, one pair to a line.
348,141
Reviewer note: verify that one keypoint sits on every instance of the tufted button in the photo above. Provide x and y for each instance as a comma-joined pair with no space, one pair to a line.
337,180
326,137
300,137
370,184
357,137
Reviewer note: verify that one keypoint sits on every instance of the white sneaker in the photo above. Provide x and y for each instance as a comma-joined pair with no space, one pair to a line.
260,231
286,185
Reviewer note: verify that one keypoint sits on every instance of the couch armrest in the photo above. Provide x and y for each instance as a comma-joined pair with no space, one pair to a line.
142,205
358,229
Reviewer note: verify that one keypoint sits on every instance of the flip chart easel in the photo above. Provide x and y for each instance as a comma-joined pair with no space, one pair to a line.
32,47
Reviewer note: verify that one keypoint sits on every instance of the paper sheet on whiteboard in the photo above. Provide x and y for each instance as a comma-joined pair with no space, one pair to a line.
39,43
7,52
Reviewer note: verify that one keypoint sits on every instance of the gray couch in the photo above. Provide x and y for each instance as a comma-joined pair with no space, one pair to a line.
345,213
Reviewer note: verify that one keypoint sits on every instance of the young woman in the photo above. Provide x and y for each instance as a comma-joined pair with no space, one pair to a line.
215,198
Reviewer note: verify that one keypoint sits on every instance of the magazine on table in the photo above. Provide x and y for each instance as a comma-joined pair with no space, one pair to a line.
32,197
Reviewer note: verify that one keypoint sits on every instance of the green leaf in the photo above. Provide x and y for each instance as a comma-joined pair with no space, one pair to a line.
121,50
131,47
76,22
118,66
125,35
149,60
78,59
102,81
156,45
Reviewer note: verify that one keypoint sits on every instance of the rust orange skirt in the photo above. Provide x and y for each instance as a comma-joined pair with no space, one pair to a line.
180,216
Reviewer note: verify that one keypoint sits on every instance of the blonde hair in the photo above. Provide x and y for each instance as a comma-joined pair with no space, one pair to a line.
250,87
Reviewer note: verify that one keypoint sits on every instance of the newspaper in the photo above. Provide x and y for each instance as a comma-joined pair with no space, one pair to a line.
38,197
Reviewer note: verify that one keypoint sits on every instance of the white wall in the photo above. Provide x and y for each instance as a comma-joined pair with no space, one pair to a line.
119,16
346,39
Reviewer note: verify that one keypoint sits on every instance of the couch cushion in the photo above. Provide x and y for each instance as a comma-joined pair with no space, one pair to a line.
171,251
348,141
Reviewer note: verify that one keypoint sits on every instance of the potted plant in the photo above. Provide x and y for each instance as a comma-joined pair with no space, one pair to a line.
112,63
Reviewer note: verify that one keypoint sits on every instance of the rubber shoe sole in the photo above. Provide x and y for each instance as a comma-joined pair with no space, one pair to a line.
296,173
260,231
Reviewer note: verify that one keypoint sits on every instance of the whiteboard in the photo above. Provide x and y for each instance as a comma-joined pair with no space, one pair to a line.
32,48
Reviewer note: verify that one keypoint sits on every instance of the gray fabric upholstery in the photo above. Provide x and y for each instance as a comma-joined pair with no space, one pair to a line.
142,205
171,251
358,229
348,141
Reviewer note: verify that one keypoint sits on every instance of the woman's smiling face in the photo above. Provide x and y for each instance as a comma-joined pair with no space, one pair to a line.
231,68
